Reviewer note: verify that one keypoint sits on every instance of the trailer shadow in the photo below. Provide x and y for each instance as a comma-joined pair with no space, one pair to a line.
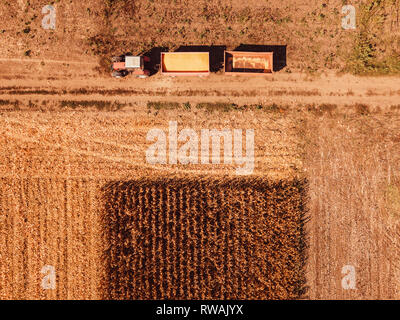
155,56
278,50
216,54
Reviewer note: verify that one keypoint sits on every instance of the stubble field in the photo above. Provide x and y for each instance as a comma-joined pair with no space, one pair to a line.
68,131
52,209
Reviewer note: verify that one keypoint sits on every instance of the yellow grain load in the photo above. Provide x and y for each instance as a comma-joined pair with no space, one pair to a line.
186,62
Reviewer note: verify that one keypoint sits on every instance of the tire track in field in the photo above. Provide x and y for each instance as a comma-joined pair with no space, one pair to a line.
110,158
268,160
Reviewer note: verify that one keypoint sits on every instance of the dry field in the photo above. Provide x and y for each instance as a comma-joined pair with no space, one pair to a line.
55,164
353,167
59,161
50,221
309,31
67,130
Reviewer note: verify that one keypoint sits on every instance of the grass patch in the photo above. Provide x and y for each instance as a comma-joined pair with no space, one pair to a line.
159,105
369,57
362,109
322,109
99,105
217,106
273,107
9,103
38,91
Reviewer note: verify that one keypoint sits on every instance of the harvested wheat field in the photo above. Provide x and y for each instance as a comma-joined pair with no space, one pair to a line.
59,162
353,165
61,169
49,221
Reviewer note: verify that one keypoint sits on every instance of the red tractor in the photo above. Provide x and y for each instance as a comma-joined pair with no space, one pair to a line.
129,64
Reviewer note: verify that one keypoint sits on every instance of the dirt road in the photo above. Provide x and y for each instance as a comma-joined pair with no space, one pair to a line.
58,80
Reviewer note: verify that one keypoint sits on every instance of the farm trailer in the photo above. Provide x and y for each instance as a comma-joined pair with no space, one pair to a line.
185,63
242,62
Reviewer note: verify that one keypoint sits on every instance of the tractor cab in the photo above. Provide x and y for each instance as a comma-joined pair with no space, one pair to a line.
128,64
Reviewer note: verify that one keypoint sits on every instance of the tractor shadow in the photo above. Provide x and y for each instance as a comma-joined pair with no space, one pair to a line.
278,50
216,54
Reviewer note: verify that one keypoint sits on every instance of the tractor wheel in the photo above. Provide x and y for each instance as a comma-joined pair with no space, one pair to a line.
118,59
117,74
